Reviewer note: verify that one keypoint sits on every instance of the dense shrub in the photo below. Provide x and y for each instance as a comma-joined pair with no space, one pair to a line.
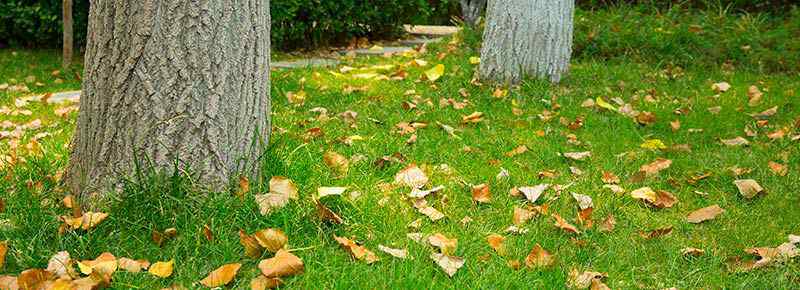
295,23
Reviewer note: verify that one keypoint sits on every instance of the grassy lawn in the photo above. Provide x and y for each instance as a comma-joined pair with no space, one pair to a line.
536,114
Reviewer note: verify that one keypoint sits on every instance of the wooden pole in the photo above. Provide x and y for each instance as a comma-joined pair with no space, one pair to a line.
67,17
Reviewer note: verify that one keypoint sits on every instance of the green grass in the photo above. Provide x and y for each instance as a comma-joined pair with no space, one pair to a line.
377,217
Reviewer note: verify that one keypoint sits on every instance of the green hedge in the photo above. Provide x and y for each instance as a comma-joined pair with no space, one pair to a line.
295,23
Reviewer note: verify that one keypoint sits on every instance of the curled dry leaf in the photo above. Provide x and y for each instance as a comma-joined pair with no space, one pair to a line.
417,193
446,245
59,264
693,252
584,201
496,242
655,167
578,155
608,224
281,189
326,214
251,246
34,279
645,193
131,265
517,151
721,87
411,176
326,191
435,72
748,188
88,221
162,269
263,283
532,193
283,264
663,199
105,264
357,251
522,215
657,233
221,276
704,214
475,117
337,162
583,280
481,193
768,256
778,169
738,141
397,253
271,239
450,264
539,257
564,225
609,178
422,206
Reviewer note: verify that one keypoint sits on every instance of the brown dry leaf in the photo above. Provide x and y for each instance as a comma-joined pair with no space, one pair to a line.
608,224
244,186
397,253
655,167
127,264
422,206
778,169
517,151
694,252
754,96
473,118
539,257
664,199
105,264
207,233
481,193
411,176
263,283
748,188
251,247
446,245
720,87
496,242
3,251
738,141
597,284
337,162
326,214
33,279
768,256
646,118
357,251
522,215
450,264
675,125
610,178
564,225
283,264
326,191
646,194
584,201
221,276
88,221
271,239
532,193
766,113
578,155
8,282
583,280
283,186
704,214
659,232
162,269
59,264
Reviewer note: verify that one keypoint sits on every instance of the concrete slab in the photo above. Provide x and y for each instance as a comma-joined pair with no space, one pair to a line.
305,63
432,30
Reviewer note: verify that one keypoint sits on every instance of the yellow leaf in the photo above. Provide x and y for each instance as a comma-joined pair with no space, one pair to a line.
435,73
653,144
376,48
603,104
221,276
474,60
162,269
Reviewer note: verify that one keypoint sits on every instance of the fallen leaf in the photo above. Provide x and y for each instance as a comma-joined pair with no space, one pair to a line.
517,151
263,283
449,264
533,193
283,264
659,232
694,252
522,215
609,178
564,225
87,221
664,199
162,269
3,251
778,169
411,176
578,155
327,191
435,73
481,193
748,188
131,265
704,214
105,264
720,87
357,251
754,96
645,193
584,201
475,117
59,264
251,246
496,242
326,214
397,253
608,224
605,105
8,282
583,280
283,186
33,279
474,60
738,141
539,257
653,144
271,239
337,162
768,256
443,243
417,193
422,206
221,276
244,186
655,167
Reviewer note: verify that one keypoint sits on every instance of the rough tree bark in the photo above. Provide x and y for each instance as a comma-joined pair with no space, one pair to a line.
527,38
66,60
471,10
167,81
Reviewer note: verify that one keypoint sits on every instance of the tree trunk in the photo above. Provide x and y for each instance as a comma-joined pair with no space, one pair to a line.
182,81
67,26
472,9
527,38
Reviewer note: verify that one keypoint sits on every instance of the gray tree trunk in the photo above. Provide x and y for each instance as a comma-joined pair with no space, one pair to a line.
472,10
527,38
167,81
66,14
